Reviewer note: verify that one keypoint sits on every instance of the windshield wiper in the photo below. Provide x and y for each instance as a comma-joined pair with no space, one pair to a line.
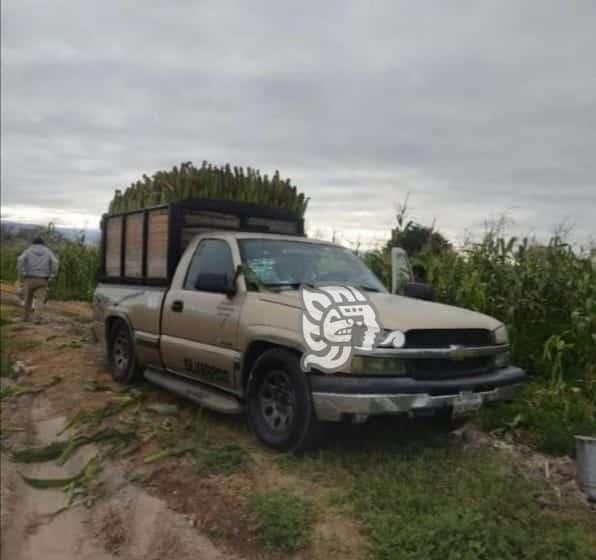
297,285
368,288
290,285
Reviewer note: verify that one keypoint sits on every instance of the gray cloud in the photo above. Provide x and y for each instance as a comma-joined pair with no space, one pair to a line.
475,108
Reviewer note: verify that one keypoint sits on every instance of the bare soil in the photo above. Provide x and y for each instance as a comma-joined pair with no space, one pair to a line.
158,510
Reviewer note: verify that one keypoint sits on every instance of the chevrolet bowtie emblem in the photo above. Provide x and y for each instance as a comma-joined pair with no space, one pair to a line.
457,353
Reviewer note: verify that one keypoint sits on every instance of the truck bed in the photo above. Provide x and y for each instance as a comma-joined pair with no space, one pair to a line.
143,247
137,305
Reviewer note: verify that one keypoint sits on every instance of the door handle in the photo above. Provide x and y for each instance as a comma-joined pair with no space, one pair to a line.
178,306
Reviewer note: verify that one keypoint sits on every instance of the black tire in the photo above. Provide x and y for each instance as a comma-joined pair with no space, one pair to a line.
121,354
280,409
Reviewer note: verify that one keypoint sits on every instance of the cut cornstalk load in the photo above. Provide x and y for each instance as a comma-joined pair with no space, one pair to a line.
209,182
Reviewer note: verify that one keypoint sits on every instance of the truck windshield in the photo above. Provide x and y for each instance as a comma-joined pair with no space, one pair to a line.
282,264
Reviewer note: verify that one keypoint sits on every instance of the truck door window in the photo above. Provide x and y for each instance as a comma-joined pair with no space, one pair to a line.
212,256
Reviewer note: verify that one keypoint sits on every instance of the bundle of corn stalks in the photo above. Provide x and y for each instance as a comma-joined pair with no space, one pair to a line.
210,181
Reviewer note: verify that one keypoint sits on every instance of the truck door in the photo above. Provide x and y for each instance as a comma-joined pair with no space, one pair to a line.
200,328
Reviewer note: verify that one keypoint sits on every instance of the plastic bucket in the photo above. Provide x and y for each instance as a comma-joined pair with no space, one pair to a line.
585,457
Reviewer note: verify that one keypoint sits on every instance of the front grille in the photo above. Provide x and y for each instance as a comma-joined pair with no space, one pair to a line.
440,368
444,338
434,368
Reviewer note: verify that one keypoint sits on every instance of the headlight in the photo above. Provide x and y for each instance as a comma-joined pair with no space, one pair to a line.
378,366
500,335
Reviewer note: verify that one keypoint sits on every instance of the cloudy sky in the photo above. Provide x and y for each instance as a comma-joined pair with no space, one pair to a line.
474,108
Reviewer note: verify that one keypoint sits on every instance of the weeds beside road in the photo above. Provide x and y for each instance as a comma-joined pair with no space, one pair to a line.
546,296
388,489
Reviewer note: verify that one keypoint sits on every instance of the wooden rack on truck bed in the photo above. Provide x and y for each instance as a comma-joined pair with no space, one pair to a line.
144,246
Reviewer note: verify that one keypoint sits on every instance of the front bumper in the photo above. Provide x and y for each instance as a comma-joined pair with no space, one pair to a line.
337,396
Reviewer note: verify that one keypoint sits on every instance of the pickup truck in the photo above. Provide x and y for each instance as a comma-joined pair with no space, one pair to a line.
203,298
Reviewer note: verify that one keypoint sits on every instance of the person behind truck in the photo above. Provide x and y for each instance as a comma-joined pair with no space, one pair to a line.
36,266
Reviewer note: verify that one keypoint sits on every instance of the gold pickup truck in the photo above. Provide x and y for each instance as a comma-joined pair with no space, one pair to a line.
218,302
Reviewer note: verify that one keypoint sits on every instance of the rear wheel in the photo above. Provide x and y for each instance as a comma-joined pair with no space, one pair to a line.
280,407
121,354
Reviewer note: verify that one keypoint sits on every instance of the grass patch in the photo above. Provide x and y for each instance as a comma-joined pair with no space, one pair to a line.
6,363
221,459
419,497
284,520
9,347
8,314
438,503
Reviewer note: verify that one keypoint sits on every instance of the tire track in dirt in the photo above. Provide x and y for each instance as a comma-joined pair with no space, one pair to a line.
174,509
129,523
126,523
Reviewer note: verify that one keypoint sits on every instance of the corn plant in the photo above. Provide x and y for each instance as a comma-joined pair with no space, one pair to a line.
546,295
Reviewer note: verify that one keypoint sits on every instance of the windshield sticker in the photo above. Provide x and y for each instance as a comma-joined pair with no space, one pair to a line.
336,320
264,269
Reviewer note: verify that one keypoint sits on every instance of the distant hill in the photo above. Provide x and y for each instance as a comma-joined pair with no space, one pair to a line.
92,236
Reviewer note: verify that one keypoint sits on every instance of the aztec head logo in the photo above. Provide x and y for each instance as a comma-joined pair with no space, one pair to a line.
335,321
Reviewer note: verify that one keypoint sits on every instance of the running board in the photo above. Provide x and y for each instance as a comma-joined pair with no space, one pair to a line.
199,393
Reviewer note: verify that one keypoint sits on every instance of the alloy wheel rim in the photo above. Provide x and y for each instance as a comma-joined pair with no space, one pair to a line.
277,401
121,353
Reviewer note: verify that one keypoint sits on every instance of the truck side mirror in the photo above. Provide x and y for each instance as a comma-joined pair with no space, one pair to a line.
215,283
401,271
419,290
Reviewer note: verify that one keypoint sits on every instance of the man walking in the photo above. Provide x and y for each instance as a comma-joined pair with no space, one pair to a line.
36,266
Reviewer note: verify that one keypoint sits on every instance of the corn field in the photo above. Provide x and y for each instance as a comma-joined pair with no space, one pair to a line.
77,276
546,295
213,182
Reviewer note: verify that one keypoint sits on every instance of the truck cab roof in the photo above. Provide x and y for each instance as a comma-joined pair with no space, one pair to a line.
223,234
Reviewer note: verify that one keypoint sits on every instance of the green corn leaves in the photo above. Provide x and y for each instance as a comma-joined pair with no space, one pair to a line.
88,472
209,181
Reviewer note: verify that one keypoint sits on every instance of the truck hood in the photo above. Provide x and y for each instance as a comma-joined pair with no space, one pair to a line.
401,313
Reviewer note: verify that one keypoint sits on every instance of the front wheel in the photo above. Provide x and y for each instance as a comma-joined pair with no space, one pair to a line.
280,407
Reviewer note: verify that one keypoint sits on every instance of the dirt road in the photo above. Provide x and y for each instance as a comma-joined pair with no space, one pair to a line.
127,522
145,508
